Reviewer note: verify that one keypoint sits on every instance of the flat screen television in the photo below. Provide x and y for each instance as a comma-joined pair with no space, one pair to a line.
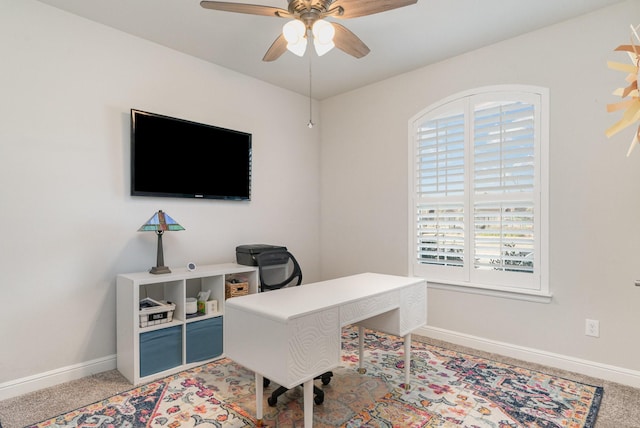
178,158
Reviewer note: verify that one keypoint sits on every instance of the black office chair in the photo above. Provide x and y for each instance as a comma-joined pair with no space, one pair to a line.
270,266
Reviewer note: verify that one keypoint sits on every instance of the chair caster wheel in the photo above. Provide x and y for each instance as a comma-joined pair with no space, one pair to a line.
319,399
265,382
326,380
272,401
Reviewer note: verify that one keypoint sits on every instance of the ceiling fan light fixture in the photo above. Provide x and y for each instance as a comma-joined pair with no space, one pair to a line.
295,33
323,33
306,14
298,48
322,48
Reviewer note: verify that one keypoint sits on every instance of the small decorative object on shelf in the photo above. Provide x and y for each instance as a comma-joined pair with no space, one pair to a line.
202,298
212,306
191,306
153,312
159,223
236,287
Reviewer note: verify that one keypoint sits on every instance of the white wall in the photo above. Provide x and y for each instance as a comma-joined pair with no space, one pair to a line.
69,225
594,188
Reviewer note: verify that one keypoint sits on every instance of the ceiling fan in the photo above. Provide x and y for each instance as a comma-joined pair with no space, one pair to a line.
307,16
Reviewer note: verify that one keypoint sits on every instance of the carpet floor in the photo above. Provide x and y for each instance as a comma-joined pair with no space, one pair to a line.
451,387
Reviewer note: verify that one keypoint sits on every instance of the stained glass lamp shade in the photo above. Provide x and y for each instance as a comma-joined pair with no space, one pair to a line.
159,223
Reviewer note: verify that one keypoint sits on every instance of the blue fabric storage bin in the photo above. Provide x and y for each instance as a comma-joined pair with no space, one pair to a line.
204,339
160,350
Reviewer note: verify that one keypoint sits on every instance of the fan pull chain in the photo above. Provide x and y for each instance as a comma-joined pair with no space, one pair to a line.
310,124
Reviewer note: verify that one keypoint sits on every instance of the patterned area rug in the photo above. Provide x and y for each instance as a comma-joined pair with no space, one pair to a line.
449,389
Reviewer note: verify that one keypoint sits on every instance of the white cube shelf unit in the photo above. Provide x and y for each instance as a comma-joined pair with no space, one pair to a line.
148,353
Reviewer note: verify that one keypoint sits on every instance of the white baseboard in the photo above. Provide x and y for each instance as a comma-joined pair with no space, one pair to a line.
32,383
564,362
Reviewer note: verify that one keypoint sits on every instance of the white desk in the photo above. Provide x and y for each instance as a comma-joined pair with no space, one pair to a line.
292,335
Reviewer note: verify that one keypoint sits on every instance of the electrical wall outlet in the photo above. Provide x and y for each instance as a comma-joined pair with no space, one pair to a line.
592,328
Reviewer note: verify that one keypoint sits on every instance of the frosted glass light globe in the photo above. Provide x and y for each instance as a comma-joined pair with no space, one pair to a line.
323,31
293,31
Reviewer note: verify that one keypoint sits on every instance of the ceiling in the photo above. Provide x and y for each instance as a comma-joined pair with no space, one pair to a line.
400,40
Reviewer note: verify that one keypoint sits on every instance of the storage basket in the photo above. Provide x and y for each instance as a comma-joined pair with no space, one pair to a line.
235,289
153,312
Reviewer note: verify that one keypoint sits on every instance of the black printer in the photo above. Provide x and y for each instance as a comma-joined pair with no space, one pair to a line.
246,254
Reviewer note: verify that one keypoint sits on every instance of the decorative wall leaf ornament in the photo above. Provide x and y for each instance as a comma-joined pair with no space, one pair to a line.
631,103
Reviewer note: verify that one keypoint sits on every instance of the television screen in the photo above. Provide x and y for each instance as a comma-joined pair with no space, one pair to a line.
173,157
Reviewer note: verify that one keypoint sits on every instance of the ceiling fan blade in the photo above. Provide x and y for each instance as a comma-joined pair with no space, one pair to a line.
278,47
356,8
348,42
251,9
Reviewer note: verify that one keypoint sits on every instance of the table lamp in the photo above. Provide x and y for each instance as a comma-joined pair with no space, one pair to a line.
159,223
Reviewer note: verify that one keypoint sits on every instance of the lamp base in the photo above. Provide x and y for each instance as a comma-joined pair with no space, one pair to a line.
159,269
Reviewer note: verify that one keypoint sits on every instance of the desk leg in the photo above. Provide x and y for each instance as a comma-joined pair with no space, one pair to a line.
259,400
308,404
361,368
407,362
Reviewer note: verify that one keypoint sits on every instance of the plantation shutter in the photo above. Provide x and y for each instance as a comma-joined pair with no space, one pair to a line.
440,188
503,186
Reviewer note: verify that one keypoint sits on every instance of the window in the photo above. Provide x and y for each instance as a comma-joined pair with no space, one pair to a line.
479,190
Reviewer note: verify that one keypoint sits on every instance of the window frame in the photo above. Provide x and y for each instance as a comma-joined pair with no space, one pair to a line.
445,277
